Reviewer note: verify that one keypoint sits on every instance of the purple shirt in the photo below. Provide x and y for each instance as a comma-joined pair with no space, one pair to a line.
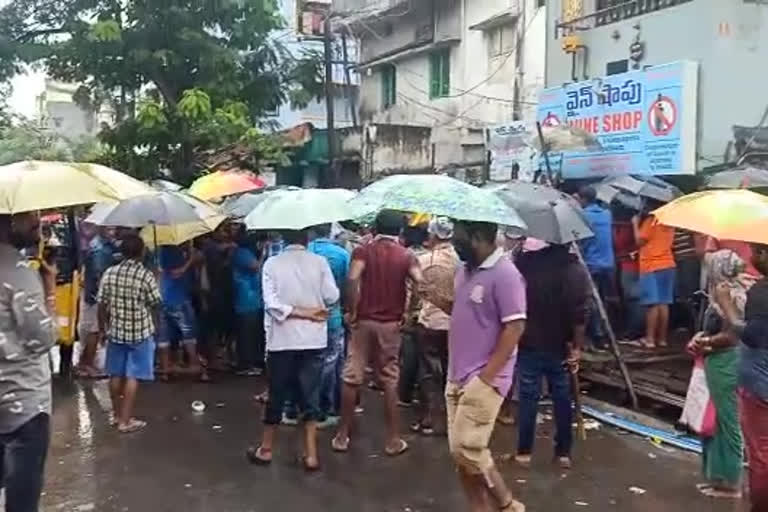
485,300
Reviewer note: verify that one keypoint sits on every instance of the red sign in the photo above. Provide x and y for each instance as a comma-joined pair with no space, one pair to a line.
551,120
662,116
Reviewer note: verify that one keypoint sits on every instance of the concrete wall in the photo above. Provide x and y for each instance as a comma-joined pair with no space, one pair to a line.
729,38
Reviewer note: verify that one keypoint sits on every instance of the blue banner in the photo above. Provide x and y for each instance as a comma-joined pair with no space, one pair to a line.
644,120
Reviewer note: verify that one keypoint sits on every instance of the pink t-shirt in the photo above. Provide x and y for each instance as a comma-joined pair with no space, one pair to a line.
485,300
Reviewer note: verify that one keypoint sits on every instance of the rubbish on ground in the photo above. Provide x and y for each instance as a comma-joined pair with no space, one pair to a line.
521,481
636,490
198,406
220,405
188,486
590,424
581,503
652,455
85,508
217,427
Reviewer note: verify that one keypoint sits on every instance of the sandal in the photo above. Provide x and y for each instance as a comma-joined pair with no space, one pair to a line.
401,449
257,456
309,468
513,506
133,425
523,460
340,445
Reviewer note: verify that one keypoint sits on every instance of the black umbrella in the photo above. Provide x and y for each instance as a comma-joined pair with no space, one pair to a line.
744,177
647,187
551,216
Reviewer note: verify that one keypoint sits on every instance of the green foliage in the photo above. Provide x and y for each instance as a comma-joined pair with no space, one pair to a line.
184,76
25,140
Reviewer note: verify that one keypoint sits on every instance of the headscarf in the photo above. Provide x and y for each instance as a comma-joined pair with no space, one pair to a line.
441,227
726,267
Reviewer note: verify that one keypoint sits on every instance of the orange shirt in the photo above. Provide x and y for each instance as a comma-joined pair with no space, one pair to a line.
656,253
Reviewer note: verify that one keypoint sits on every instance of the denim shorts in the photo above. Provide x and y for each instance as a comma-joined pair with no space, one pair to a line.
177,324
131,360
657,288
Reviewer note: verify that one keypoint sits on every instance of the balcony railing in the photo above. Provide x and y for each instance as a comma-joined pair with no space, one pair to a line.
612,11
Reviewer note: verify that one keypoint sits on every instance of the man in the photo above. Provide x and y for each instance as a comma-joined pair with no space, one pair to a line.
27,333
413,237
178,324
249,307
376,297
598,255
129,305
220,314
100,255
298,288
487,321
657,276
330,389
439,267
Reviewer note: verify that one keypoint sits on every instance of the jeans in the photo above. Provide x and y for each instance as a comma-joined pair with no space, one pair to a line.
603,279
294,375
531,367
433,362
330,388
634,312
22,461
250,340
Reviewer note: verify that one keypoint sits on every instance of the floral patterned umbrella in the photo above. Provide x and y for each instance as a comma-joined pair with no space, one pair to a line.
435,195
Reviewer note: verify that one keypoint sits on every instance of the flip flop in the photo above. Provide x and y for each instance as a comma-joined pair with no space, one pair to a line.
711,492
340,445
400,450
513,506
302,459
256,456
133,426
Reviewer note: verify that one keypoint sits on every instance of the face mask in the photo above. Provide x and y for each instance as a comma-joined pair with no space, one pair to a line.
465,253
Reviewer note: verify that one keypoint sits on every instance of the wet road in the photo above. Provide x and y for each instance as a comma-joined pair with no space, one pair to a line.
196,463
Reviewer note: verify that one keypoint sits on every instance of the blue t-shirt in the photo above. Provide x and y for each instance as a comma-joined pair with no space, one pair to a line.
598,250
175,290
248,295
100,256
338,259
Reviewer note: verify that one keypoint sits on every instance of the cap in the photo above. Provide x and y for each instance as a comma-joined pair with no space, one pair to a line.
441,227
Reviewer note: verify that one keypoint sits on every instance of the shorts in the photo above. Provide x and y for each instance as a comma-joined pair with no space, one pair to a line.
385,338
295,376
177,325
472,411
131,360
657,288
88,320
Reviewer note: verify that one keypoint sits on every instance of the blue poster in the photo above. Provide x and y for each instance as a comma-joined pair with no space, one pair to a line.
644,120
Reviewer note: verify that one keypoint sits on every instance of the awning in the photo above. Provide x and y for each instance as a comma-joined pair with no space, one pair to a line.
507,17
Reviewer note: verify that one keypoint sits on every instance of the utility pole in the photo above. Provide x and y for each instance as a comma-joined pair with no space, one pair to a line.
329,101
348,80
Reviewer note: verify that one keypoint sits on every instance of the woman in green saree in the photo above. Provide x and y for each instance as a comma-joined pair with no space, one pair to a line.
723,452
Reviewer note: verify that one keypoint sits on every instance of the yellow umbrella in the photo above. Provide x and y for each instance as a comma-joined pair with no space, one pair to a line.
177,234
725,214
33,185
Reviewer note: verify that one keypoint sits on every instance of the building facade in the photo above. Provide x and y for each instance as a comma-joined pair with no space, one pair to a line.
593,42
453,67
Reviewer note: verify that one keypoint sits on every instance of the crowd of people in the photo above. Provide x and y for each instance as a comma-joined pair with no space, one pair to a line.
447,317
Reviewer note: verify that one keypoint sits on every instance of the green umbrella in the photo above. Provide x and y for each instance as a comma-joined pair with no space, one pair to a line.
436,195
299,209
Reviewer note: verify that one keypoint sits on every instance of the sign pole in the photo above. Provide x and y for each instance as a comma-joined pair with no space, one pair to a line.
546,154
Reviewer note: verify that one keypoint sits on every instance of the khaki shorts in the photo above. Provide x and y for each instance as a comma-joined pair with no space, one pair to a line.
384,339
472,412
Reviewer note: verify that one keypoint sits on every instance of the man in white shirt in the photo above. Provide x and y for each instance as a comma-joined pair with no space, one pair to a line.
298,288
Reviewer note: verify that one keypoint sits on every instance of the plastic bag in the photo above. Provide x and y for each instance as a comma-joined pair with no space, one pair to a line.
699,412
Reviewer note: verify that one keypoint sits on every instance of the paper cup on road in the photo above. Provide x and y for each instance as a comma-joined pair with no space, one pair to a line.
198,406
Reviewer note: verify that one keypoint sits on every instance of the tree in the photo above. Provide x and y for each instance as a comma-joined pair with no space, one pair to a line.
24,140
183,75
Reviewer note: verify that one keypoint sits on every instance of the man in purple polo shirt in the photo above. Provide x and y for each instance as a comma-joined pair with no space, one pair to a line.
487,321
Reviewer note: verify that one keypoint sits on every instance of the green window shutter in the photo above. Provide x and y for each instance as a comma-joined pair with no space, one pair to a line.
434,75
446,73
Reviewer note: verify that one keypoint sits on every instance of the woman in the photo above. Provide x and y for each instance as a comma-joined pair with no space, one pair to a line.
753,374
722,455
557,287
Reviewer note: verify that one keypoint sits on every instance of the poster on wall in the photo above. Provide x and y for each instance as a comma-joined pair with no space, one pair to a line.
511,156
644,120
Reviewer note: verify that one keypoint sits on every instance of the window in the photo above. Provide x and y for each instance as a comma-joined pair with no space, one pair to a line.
388,85
616,67
611,11
440,73
541,3
501,40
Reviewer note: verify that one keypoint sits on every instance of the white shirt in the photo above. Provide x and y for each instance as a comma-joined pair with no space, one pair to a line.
296,278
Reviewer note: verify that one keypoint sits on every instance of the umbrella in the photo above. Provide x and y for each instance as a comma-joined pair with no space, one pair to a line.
240,206
435,195
608,194
746,177
174,217
299,209
724,214
32,185
644,186
563,137
225,183
550,215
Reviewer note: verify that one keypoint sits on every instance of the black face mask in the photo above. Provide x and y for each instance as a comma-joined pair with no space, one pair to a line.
465,253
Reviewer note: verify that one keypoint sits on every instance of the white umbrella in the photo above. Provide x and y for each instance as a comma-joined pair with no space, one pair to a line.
300,209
